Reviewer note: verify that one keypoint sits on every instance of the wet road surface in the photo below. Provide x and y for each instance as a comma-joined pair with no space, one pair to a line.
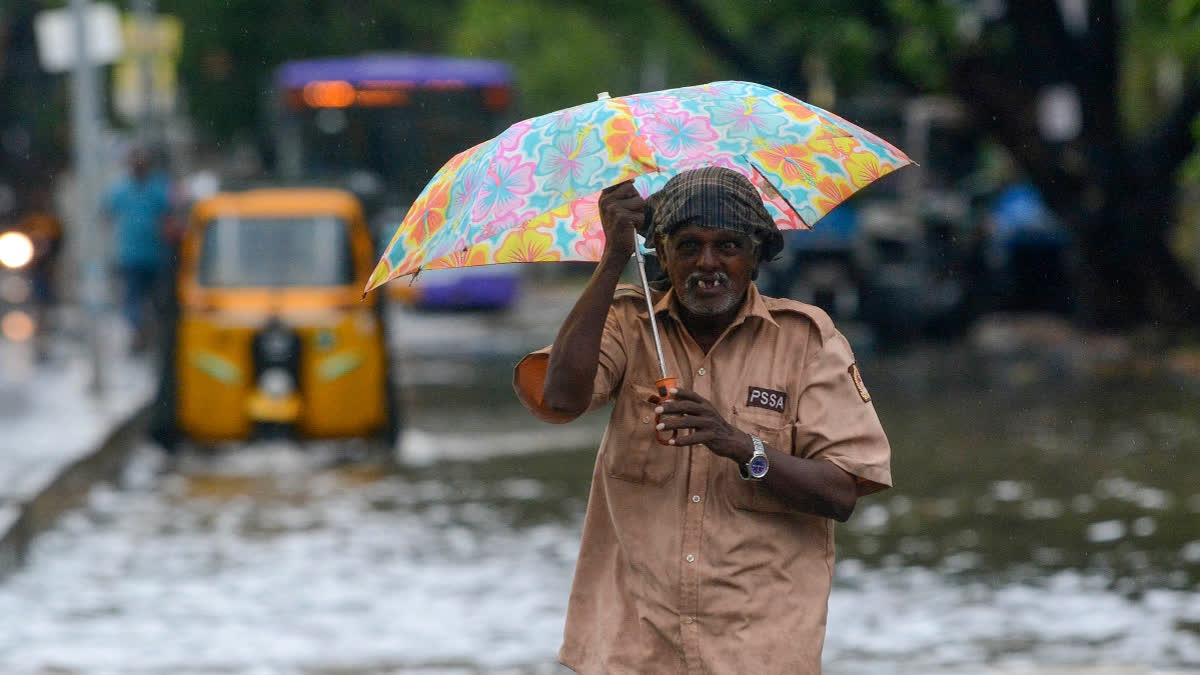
1041,523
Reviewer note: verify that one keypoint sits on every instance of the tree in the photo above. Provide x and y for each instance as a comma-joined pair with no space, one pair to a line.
230,51
1114,182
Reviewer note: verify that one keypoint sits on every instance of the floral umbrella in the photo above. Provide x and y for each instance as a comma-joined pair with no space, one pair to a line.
529,194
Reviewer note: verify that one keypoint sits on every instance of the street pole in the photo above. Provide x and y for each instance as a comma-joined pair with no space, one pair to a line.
85,120
144,19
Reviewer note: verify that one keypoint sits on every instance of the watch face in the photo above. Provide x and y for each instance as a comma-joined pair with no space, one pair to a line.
758,466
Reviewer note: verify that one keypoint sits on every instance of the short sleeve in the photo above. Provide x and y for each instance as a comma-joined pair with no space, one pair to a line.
529,375
837,421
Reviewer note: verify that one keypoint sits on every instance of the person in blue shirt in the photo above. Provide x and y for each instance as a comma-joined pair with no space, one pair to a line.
139,205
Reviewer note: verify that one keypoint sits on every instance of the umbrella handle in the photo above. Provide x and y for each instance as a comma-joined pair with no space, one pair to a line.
663,388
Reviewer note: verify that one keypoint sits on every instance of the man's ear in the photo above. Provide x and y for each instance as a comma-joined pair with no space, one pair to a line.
660,249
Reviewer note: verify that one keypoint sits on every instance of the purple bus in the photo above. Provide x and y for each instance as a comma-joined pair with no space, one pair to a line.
382,125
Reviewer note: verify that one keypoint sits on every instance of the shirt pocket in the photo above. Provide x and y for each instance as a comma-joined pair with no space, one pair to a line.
752,495
631,452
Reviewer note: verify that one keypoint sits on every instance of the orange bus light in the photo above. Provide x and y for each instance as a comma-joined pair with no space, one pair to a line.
496,98
373,98
331,94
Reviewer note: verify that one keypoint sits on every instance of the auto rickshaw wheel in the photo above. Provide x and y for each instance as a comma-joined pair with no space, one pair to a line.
163,427
389,434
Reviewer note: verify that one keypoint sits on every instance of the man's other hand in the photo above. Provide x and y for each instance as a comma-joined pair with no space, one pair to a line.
689,410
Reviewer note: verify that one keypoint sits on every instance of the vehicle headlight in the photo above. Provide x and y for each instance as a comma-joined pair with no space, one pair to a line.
14,289
17,326
276,382
16,250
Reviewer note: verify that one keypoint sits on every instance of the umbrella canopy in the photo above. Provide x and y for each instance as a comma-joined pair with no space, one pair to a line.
529,194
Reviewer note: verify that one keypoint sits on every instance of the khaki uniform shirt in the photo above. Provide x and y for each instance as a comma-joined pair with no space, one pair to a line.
683,566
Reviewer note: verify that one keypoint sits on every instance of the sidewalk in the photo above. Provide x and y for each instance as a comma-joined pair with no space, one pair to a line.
55,438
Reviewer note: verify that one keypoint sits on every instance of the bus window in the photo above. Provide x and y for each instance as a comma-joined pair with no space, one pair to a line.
397,116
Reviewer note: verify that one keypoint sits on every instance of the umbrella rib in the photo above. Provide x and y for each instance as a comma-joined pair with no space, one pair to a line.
779,192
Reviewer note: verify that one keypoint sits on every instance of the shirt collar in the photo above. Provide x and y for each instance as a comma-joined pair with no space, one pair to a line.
754,305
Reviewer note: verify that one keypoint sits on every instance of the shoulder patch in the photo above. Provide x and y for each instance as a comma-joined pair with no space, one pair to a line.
858,382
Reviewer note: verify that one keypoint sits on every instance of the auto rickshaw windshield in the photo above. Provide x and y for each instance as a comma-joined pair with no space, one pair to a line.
269,252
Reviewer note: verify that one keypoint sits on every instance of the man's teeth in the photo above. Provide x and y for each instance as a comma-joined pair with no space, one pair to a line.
707,284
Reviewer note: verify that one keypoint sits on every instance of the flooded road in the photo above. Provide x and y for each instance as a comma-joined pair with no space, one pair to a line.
1041,523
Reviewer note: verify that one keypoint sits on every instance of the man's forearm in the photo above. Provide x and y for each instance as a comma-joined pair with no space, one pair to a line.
576,352
810,485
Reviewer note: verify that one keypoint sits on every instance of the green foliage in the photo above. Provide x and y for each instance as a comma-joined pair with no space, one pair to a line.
1190,172
560,56
231,48
927,38
565,53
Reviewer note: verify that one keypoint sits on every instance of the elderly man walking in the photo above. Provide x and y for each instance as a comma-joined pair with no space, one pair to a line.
712,553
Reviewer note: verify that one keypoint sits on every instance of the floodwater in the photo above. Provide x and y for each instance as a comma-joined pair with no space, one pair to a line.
1042,522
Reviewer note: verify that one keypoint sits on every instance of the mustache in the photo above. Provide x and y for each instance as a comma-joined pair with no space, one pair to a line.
695,277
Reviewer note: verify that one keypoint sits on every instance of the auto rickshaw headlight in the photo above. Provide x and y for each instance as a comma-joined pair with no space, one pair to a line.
276,382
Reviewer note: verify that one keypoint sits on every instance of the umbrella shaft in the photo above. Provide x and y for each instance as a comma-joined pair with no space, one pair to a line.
641,265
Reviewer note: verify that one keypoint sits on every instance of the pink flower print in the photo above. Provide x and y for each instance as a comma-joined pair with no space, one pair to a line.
585,215
590,248
678,133
510,140
697,156
571,161
561,121
508,221
503,188
646,105
749,117
466,185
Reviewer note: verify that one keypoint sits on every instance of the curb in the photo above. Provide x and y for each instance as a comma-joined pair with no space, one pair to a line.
21,522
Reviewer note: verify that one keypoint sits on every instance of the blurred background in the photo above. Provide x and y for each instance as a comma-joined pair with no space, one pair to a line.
192,195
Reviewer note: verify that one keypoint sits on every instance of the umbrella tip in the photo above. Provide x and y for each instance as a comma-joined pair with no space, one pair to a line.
602,95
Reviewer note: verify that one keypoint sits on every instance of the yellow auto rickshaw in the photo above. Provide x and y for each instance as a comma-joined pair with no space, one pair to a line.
273,335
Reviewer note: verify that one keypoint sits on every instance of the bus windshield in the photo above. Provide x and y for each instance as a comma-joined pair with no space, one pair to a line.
276,252
397,116
404,145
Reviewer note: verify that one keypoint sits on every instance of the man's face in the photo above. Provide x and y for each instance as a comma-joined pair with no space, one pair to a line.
709,268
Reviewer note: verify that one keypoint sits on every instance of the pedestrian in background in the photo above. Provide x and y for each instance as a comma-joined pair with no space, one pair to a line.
712,553
140,205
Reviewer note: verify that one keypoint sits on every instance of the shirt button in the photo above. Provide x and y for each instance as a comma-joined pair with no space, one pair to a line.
646,420
688,619
690,558
700,372
696,498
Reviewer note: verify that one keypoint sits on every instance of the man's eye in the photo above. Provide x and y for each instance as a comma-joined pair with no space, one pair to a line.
731,245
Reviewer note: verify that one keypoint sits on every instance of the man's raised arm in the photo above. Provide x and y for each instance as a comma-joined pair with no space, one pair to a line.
576,352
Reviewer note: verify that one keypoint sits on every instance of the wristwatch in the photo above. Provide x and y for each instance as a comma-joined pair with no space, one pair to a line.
757,467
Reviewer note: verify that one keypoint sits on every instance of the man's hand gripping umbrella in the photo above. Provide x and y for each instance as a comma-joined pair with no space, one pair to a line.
622,213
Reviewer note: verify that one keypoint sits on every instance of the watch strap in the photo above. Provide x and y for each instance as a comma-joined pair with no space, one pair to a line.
759,449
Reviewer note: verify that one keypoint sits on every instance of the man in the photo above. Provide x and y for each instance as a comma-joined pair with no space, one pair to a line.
140,204
712,554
